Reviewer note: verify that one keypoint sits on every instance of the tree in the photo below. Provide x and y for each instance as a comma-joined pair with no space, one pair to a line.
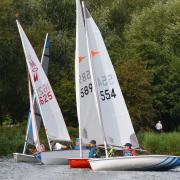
151,36
135,85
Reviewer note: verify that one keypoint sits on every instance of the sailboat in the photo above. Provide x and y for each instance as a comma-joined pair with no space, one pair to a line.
115,124
45,64
52,118
86,106
29,139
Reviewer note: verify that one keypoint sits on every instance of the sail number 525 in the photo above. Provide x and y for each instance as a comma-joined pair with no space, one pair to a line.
45,98
44,93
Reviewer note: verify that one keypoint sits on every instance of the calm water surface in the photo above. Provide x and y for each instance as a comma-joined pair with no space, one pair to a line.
12,170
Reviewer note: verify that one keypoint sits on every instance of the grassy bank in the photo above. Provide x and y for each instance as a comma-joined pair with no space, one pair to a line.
164,143
12,140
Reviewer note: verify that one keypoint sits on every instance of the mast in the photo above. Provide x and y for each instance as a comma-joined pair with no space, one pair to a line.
77,77
94,82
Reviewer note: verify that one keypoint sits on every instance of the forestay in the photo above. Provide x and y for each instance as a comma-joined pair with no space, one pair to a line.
50,111
86,106
115,117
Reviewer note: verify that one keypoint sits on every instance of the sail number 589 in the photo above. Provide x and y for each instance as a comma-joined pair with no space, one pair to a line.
86,90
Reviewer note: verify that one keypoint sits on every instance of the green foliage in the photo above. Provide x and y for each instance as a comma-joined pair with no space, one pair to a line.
164,143
7,121
12,138
134,80
142,38
151,36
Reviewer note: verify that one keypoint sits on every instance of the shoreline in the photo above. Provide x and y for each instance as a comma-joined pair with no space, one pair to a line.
12,140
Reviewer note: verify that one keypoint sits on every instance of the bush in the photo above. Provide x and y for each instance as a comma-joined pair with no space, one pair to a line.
164,143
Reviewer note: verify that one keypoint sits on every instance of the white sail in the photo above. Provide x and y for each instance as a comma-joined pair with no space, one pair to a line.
117,124
45,63
48,106
86,106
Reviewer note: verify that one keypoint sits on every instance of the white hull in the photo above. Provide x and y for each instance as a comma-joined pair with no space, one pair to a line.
19,157
137,163
60,157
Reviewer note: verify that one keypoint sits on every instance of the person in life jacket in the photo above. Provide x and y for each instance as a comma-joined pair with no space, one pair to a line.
57,146
127,151
111,152
37,154
93,153
42,149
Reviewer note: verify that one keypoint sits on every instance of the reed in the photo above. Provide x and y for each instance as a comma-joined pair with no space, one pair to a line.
163,143
12,140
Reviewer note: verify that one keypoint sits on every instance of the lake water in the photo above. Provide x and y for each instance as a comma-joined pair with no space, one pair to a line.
12,170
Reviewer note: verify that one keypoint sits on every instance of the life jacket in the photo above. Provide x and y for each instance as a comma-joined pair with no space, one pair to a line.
111,152
130,152
127,153
133,152
94,153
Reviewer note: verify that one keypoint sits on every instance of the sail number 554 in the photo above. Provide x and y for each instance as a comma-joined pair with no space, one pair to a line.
107,94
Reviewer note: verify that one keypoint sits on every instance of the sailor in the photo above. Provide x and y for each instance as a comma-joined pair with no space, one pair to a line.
57,146
42,149
93,153
127,151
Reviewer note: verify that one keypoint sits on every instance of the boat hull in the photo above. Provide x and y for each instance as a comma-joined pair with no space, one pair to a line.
79,163
136,163
19,157
60,157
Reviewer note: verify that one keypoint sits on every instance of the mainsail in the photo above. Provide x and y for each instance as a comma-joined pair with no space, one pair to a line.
86,106
50,112
45,62
117,124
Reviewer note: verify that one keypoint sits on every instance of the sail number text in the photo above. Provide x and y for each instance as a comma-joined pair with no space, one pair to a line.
84,76
86,90
107,94
104,80
44,94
